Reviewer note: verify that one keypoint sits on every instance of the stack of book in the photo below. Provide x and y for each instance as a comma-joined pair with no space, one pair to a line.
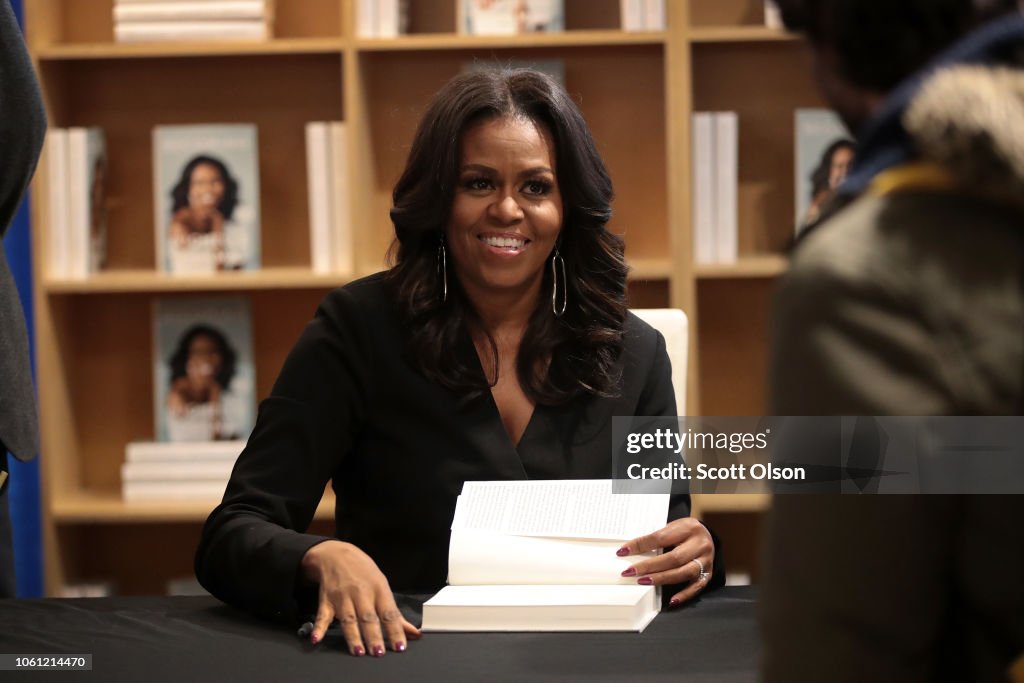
76,181
382,18
170,20
177,471
642,15
715,186
330,226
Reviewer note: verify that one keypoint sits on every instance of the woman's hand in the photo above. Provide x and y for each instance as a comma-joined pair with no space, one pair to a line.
353,590
690,561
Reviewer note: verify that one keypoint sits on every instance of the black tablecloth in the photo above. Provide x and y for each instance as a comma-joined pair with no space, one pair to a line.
199,639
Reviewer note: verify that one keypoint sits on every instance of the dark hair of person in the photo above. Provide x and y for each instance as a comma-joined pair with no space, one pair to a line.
179,195
228,357
559,357
878,44
822,173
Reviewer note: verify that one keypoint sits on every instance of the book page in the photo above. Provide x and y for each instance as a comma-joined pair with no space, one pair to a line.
564,508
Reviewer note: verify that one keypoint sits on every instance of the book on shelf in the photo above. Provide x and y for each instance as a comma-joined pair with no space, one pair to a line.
198,489
163,452
207,198
642,15
154,470
824,152
715,160
204,386
382,18
541,556
510,17
331,241
772,15
189,10
552,67
77,240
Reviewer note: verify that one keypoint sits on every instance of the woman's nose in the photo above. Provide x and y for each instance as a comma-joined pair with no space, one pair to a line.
507,210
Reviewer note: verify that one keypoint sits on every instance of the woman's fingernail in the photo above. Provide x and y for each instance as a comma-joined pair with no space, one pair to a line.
378,650
399,647
622,552
645,581
674,602
314,639
358,651
629,572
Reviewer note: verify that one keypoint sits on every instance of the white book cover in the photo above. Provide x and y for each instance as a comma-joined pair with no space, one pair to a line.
190,10
321,212
177,471
207,198
366,18
513,542
387,19
704,174
342,242
824,152
199,489
178,451
632,15
87,217
726,186
654,15
204,385
509,17
227,29
57,229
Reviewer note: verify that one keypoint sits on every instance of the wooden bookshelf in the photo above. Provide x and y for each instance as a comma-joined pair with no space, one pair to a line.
637,91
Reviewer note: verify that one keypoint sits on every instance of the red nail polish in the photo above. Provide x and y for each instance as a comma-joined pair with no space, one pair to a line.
622,552
314,639
645,581
629,572
399,647
378,650
674,602
358,651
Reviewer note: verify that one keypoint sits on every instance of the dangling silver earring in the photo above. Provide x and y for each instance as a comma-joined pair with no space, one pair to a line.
442,270
556,261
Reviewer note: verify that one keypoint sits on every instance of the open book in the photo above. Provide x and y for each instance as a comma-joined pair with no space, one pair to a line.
540,556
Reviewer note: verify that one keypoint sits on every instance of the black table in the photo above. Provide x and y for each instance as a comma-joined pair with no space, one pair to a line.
199,639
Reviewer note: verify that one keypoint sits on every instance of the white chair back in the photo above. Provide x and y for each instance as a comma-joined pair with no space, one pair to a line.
673,325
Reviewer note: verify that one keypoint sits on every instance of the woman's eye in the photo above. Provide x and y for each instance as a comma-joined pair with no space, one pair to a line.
537,187
477,184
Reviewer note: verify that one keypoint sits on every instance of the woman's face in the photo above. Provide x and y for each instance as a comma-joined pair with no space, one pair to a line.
205,187
841,160
507,211
204,359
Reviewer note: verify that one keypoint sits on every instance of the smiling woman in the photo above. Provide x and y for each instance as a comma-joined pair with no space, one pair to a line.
497,347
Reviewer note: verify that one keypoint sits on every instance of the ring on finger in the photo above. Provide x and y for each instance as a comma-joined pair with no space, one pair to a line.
703,575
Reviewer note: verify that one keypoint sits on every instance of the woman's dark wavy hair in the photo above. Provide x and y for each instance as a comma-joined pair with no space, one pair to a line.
228,357
822,173
559,358
879,43
179,195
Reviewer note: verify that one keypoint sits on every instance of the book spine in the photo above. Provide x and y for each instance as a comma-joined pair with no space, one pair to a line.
176,471
78,202
703,188
164,451
342,239
631,15
172,490
366,19
190,11
387,19
726,167
320,214
654,15
57,189
772,15
191,30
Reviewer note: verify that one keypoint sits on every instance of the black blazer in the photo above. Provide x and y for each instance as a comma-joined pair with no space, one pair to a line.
397,448
22,128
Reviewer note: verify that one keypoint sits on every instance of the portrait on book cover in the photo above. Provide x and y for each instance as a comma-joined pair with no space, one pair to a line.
207,198
204,385
824,155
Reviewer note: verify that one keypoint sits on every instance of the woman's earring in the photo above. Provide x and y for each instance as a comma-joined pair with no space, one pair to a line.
558,264
442,270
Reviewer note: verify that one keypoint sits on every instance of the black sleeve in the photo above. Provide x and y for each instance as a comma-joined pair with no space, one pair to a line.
22,117
658,398
253,542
